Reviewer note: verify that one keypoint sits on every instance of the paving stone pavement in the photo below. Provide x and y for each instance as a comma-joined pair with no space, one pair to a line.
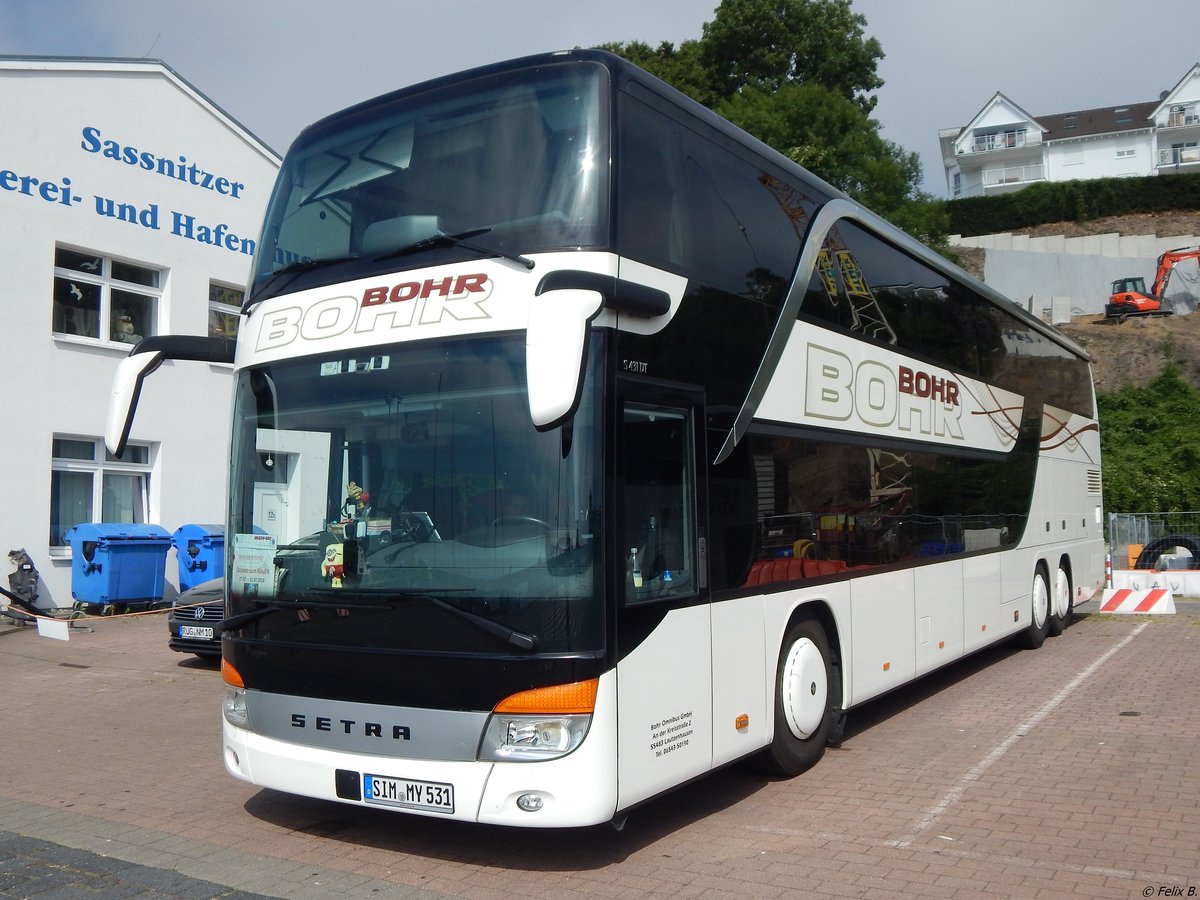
33,868
1063,772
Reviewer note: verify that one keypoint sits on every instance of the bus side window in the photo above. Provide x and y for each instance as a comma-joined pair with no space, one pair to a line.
659,524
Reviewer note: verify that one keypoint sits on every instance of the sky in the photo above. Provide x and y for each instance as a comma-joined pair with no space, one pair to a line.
277,65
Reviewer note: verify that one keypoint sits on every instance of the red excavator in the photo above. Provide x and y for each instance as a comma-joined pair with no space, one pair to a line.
1129,295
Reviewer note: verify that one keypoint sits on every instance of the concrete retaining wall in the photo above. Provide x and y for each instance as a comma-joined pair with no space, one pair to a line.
1058,277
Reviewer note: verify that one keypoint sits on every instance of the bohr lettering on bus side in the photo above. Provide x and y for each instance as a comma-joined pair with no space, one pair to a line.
878,395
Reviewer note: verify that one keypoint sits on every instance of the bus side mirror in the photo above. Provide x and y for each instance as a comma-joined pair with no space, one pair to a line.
126,387
141,361
565,302
555,343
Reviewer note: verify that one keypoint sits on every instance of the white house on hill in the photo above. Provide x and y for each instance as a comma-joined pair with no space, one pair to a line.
1004,148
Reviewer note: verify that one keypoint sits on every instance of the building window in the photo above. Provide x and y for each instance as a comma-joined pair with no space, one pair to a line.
1126,152
87,484
104,299
223,306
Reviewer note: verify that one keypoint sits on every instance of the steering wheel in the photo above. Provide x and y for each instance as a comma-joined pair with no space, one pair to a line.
411,527
520,520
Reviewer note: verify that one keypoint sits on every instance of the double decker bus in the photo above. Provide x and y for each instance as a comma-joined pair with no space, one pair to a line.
583,444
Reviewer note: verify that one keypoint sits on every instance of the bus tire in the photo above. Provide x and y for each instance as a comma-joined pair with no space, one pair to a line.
1039,602
1064,604
806,691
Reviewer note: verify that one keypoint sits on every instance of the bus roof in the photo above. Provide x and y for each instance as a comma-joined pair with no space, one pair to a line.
625,71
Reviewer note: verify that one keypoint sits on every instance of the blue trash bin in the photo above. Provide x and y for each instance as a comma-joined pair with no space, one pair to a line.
118,565
200,550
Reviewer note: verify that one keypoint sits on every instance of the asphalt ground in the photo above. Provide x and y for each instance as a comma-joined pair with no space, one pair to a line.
1068,771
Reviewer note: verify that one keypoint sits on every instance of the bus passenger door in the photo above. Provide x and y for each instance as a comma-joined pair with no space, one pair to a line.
664,680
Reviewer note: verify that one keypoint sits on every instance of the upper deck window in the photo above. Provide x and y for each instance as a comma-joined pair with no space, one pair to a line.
518,161
689,203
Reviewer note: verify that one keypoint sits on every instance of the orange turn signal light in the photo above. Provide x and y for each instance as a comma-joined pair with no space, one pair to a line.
557,699
230,675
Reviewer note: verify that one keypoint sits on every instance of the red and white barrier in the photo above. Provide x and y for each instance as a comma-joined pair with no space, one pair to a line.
1127,600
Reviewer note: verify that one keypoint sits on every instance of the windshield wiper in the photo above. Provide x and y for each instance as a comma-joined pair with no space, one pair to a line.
233,623
518,639
293,269
458,240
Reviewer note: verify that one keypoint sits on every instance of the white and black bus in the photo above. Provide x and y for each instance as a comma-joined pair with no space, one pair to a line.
583,444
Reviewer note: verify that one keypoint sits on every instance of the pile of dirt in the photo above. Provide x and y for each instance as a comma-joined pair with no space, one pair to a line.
1133,352
1164,224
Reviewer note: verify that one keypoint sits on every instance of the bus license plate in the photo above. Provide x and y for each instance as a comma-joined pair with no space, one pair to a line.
203,632
408,794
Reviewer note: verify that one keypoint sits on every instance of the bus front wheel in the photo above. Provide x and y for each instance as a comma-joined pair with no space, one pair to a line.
805,693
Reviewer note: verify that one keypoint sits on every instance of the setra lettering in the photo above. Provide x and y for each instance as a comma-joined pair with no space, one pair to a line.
350,726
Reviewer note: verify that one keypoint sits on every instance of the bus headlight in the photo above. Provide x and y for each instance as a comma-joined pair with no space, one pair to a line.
234,708
530,738
541,723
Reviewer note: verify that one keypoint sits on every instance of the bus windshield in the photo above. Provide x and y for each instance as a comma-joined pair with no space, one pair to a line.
502,165
403,501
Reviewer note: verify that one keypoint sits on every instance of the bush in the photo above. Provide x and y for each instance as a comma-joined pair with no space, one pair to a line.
1150,444
1072,201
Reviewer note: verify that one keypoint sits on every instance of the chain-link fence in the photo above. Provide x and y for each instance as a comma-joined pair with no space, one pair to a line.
1154,540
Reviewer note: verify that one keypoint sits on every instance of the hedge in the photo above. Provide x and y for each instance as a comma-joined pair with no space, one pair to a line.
1072,201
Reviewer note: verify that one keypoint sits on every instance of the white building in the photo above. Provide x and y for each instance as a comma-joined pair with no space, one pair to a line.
1004,148
130,206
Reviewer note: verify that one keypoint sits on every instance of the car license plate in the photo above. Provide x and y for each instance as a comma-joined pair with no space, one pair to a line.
202,632
408,794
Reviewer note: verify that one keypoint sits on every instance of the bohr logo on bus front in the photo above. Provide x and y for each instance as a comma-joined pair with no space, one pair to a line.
380,309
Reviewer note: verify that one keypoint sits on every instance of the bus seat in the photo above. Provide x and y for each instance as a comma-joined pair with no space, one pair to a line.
788,568
815,568
768,571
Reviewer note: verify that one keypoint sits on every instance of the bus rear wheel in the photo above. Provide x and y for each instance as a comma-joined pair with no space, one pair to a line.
806,686
1039,626
1064,605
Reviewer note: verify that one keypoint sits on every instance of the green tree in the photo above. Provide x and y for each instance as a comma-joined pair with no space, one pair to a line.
771,43
1150,441
798,75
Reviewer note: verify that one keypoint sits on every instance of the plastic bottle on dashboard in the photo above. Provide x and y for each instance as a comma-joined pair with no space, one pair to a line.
635,567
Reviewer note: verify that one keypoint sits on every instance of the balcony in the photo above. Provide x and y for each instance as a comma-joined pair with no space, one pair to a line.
1012,177
1004,140
1178,156
1183,116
